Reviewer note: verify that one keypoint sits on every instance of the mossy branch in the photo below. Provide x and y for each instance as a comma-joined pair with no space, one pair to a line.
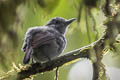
95,48
83,52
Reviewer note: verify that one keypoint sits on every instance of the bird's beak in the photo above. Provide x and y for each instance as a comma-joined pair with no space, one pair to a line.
70,21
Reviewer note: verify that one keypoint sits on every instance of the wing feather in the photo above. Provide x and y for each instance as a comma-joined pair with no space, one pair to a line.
42,38
35,37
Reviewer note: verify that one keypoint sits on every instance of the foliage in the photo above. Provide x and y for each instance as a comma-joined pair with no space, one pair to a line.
17,16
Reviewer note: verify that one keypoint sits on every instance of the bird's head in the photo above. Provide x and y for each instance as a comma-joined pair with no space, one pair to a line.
60,24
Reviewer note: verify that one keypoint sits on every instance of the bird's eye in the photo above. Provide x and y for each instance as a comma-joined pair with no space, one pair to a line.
57,22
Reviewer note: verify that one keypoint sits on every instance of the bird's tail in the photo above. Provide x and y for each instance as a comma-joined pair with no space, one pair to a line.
27,56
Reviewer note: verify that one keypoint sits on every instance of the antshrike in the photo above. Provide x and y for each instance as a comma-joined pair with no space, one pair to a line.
47,42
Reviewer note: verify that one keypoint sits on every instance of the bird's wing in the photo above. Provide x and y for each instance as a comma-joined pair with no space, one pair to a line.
34,39
27,48
24,46
42,38
27,56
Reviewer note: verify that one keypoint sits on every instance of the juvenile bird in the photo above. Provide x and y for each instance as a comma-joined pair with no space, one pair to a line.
46,42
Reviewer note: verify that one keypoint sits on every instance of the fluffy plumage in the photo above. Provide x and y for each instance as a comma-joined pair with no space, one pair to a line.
46,42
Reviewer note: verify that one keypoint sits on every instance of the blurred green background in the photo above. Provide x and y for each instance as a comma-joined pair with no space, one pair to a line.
17,16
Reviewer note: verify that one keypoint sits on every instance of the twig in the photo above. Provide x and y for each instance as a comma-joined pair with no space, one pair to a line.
94,24
38,68
56,73
83,52
106,8
87,25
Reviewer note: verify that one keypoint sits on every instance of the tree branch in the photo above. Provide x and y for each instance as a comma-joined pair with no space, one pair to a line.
96,48
38,68
83,52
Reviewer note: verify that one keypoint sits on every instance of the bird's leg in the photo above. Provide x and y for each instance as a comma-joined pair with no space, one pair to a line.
33,61
49,59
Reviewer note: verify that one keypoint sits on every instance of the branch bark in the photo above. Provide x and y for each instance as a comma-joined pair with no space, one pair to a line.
96,48
83,52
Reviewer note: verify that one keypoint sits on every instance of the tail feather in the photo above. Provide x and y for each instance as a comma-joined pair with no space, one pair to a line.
27,56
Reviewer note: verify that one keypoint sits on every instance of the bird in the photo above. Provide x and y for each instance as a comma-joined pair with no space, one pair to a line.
44,43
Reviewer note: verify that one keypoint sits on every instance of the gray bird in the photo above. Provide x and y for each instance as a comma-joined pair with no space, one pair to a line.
47,42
